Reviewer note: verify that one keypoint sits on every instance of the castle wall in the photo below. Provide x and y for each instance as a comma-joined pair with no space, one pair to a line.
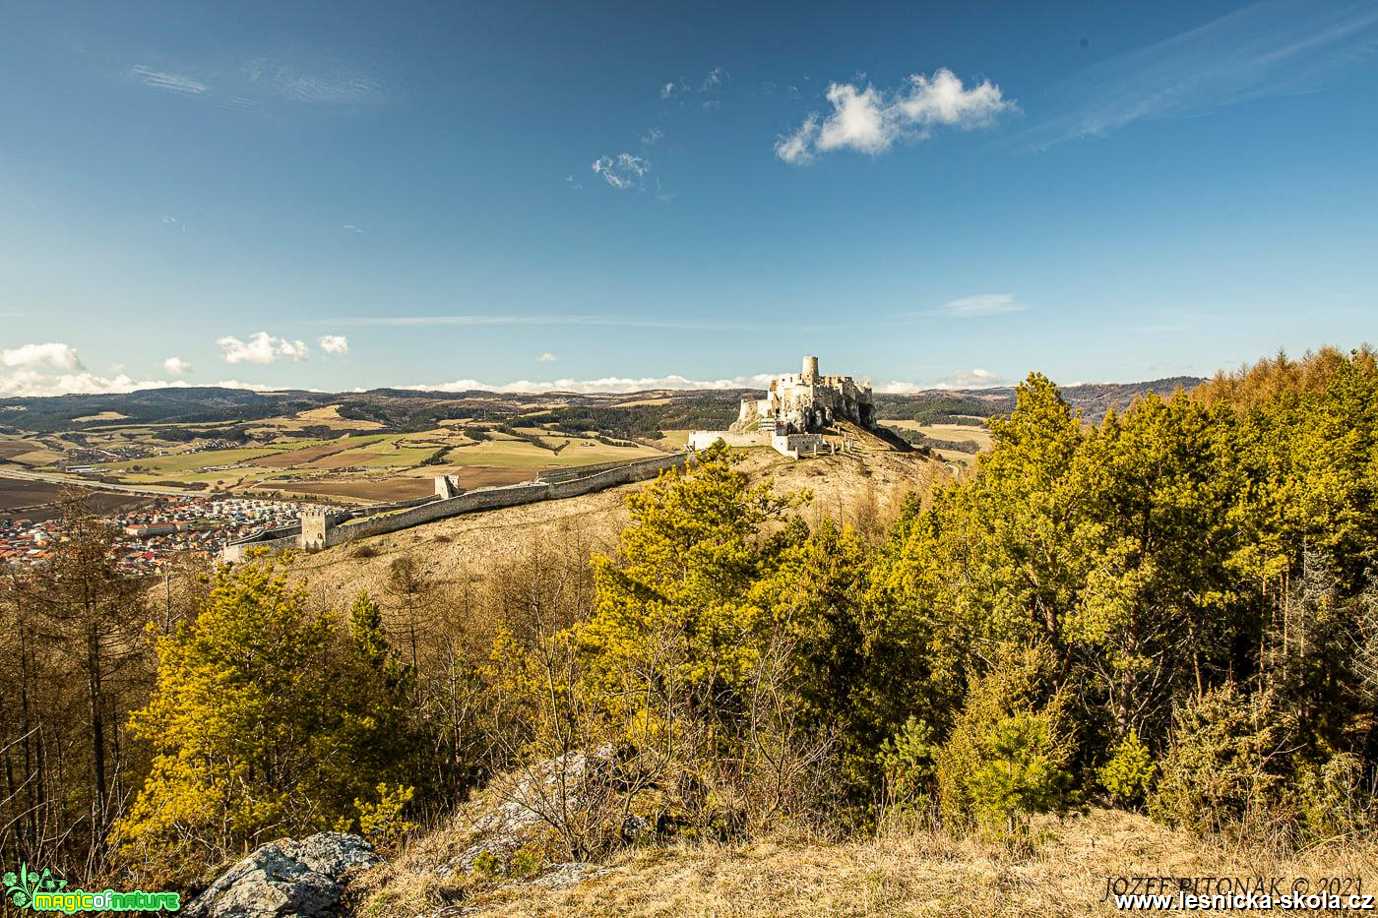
797,445
702,439
235,551
495,498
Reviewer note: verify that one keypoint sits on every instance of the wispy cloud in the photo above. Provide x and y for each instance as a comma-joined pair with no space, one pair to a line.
652,137
172,82
980,305
1271,48
547,357
868,120
623,171
351,228
607,384
260,348
481,321
712,82
341,87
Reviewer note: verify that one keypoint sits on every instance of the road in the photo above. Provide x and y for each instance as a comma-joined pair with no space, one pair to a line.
10,471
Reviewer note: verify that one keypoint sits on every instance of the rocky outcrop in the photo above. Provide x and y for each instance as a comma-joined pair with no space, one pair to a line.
523,804
285,878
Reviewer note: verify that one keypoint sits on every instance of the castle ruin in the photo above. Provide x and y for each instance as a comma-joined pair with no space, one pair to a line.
807,402
797,408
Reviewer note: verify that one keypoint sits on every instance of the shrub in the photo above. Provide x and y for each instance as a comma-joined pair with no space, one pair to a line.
1008,754
1225,767
382,821
908,763
1333,799
1128,774
265,720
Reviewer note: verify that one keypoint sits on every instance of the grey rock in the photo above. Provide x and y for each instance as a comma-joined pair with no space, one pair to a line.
530,799
287,878
558,876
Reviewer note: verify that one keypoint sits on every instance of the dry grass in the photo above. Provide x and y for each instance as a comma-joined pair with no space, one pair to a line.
897,873
862,489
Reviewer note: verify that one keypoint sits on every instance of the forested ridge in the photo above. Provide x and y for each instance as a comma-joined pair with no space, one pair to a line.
1171,610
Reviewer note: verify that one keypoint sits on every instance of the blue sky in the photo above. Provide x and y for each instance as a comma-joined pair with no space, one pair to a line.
336,195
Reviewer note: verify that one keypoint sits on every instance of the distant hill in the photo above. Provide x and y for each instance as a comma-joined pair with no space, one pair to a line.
931,406
639,414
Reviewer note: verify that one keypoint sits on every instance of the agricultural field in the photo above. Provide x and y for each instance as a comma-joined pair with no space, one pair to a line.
315,452
314,419
974,434
30,453
38,500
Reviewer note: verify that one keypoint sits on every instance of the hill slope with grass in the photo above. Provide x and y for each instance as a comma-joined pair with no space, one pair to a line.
899,870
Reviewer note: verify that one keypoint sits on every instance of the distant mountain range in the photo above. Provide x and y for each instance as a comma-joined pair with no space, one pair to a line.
631,414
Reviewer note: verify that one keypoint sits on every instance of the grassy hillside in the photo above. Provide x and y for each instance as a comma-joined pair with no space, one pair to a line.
864,489
898,871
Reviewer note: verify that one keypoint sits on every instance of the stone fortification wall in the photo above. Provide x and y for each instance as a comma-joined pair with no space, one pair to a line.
235,550
494,498
323,527
702,439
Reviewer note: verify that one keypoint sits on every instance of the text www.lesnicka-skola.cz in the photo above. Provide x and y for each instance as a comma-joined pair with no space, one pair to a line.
1215,894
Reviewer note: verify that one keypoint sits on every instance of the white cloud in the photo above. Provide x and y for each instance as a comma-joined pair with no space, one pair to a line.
983,304
334,344
29,383
667,90
713,80
652,137
943,100
176,366
351,228
869,120
261,348
547,357
797,147
36,370
976,378
860,120
623,171
172,82
33,357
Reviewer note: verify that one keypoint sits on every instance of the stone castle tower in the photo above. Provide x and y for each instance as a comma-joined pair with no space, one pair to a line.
808,402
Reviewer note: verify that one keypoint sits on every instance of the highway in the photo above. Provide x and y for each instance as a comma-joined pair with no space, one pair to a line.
22,474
